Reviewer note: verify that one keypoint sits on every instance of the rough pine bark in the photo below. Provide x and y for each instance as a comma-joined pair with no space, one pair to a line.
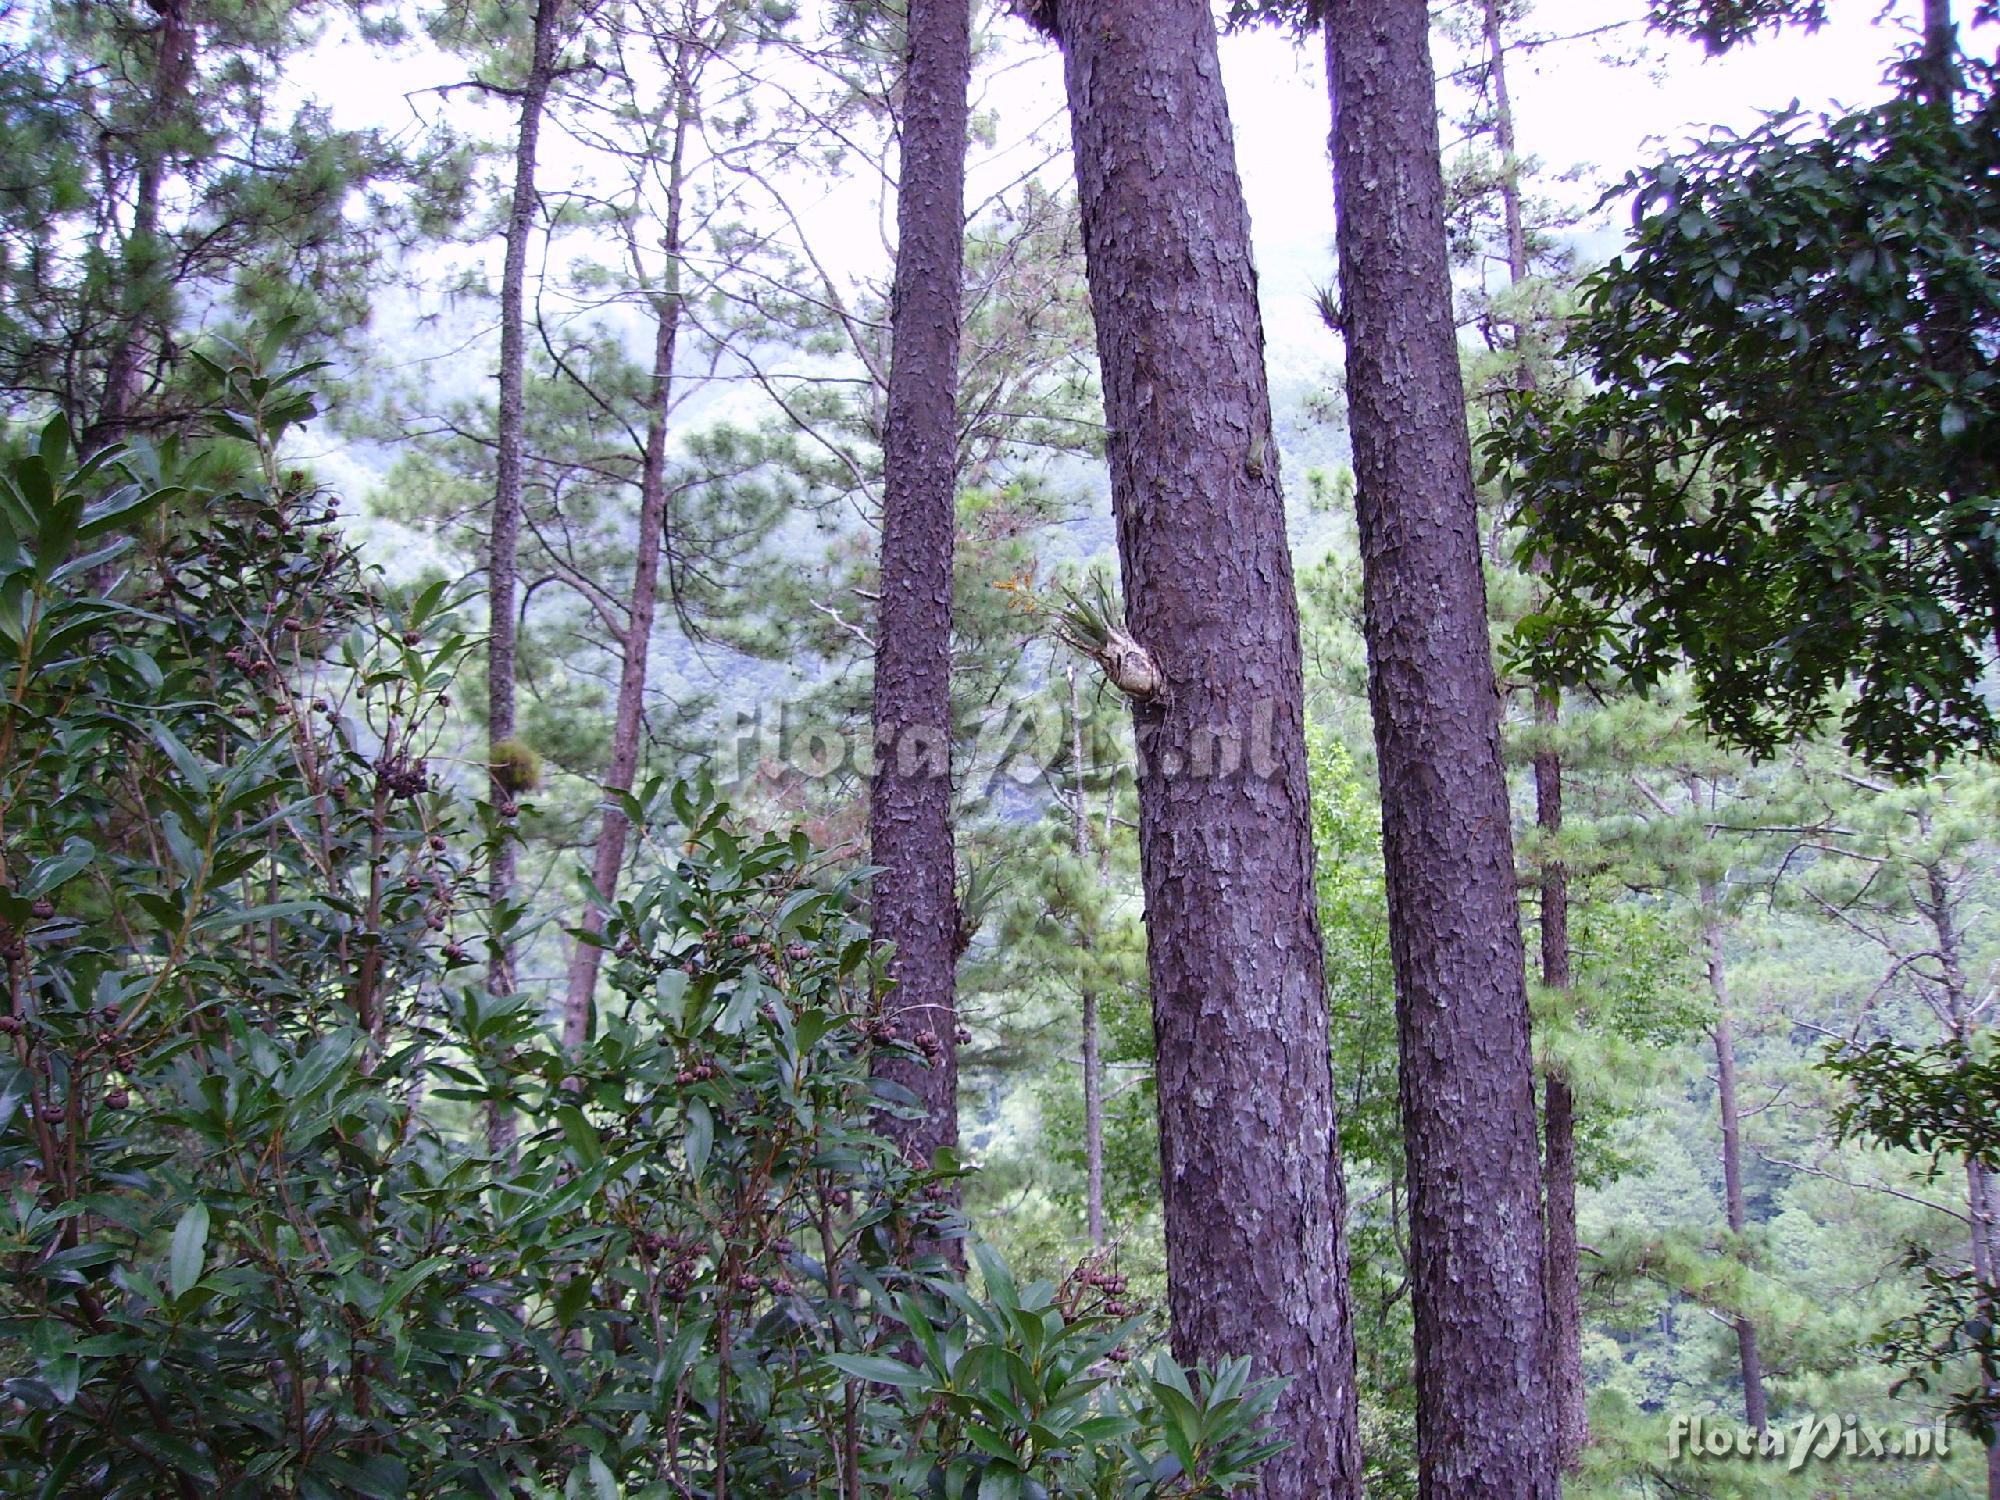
608,855
909,814
1256,1252
504,542
1483,1420
1750,1360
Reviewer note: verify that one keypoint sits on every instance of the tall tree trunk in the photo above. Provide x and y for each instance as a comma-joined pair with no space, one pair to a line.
1093,1065
1755,1410
1513,223
608,857
1256,1248
1939,906
909,813
1936,65
1981,1210
501,580
1559,1255
173,69
1467,1071
1949,342
1559,1261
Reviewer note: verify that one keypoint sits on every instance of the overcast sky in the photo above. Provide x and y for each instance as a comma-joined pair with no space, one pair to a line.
1576,107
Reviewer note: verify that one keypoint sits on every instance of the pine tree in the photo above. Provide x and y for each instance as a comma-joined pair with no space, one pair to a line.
688,42
509,763
1520,344
1209,643
1907,870
1468,1095
915,908
155,185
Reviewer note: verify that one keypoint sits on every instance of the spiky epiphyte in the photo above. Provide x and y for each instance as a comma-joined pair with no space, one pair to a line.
1088,623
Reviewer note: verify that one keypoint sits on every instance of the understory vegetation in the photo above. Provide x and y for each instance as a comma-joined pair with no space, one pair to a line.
256,1242
728,769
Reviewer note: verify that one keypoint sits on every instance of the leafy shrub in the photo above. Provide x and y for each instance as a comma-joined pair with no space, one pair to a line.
254,1241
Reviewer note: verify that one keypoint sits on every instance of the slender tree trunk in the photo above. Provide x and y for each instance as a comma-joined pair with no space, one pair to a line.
1948,339
1093,1124
1939,905
1559,1257
1936,65
1559,1264
501,577
1093,1066
608,858
1560,1268
173,68
1503,139
1256,1249
1755,1410
1981,1210
1979,1199
909,814
1483,1418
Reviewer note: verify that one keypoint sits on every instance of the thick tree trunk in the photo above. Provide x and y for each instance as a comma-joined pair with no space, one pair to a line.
608,857
1751,1361
1483,1418
173,69
909,814
1093,1066
501,580
1256,1251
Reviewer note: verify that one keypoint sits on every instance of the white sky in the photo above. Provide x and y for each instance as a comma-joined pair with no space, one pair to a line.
1573,107
1576,107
